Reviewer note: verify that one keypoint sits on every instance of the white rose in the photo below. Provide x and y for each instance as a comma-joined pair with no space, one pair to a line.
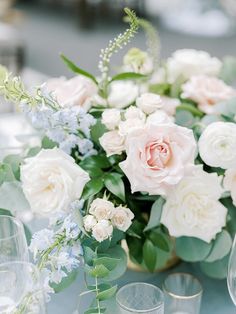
89,222
51,181
101,209
169,105
190,62
149,102
122,94
217,145
127,126
159,116
122,218
193,209
134,113
230,183
102,230
111,118
207,91
113,143
157,156
77,91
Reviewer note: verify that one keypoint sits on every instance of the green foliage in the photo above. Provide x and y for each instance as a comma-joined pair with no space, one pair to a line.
66,281
95,310
14,161
47,143
89,255
155,214
74,68
184,118
33,151
175,88
109,262
190,108
228,71
135,246
97,131
217,269
99,271
106,294
6,173
114,183
160,89
160,240
192,249
221,247
149,255
128,76
93,187
118,253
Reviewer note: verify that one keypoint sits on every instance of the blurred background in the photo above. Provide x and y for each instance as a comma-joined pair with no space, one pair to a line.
33,32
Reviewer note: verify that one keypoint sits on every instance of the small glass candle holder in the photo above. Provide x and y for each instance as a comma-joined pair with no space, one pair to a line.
183,293
140,297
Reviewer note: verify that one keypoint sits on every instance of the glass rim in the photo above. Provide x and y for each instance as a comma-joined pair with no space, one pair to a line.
135,310
185,297
17,222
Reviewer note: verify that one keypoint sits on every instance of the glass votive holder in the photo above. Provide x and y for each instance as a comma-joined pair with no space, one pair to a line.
183,293
140,297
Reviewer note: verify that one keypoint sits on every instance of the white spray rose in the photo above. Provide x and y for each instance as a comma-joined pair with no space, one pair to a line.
230,183
149,102
77,91
169,105
51,180
190,62
134,113
122,94
89,222
217,145
111,118
101,209
193,209
122,218
127,126
113,143
159,116
102,230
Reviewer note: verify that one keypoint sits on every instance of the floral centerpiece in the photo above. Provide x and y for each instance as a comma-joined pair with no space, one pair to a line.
144,159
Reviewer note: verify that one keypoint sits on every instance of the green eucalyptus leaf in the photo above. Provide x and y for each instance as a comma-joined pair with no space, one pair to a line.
28,234
118,253
175,88
221,247
5,212
217,269
160,240
114,183
128,76
93,187
47,143
14,161
192,249
95,310
97,131
190,108
184,118
89,255
107,294
33,151
117,236
65,282
228,70
74,68
155,214
149,255
109,262
99,271
6,173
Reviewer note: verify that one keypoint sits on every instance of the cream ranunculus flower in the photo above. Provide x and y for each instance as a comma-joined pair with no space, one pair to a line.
207,91
113,143
217,145
102,230
122,218
77,91
51,181
122,94
157,156
111,118
89,222
192,207
230,183
149,102
190,62
101,209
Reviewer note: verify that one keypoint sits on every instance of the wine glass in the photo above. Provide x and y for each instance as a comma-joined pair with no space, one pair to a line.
231,278
21,289
13,244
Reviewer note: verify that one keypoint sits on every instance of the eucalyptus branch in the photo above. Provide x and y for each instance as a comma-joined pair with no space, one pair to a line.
115,45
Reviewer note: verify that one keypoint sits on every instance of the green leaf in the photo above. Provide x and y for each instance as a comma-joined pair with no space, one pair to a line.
117,236
175,88
228,70
221,247
217,269
155,214
184,118
160,240
95,310
5,212
33,151
74,68
28,234
107,294
192,249
6,174
47,143
97,131
14,161
92,170
93,187
135,249
128,76
99,271
149,255
118,253
109,262
65,282
114,183
89,255
160,89
192,109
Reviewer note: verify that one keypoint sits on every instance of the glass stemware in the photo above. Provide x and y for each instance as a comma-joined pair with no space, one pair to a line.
231,278
13,244
20,289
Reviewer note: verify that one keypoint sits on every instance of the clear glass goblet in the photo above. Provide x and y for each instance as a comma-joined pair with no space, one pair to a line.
13,244
231,278
20,289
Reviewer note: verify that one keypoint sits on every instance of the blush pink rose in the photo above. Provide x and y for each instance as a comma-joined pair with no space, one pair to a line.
157,156
207,91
